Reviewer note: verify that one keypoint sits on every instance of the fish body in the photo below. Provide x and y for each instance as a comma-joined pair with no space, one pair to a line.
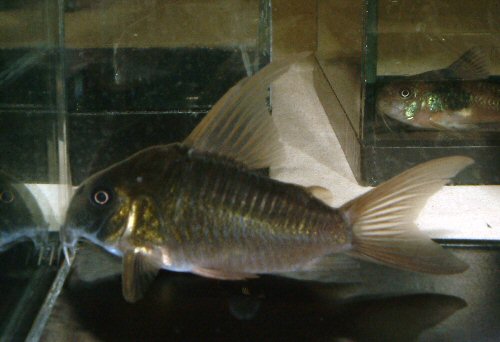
200,206
21,218
442,105
454,98
204,212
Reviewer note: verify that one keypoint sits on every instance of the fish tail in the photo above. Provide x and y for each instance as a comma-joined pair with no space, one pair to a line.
382,220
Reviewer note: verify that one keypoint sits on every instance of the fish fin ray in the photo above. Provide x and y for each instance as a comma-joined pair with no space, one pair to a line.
93,264
138,274
437,125
410,250
382,219
332,268
434,122
222,275
472,65
239,125
321,193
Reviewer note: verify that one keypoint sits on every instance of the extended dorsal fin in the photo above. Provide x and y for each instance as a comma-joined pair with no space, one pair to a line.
239,125
472,65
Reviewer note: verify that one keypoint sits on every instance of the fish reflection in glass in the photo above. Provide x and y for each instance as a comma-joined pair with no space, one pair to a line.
455,98
199,206
21,218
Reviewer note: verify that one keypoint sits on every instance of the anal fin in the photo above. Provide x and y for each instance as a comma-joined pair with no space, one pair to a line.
223,275
332,268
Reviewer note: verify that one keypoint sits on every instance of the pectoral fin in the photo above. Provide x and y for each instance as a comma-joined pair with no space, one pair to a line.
139,271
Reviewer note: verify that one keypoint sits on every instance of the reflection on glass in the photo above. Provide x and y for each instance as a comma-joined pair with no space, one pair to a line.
25,256
21,218
432,100
29,159
436,68
455,98
408,81
104,79
144,73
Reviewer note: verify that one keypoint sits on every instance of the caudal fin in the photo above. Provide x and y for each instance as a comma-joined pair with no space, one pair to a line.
383,225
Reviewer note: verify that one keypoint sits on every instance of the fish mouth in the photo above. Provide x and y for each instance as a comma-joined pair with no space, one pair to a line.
71,233
390,109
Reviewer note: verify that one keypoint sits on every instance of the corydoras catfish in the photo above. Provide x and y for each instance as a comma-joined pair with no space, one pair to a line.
457,97
200,206
21,218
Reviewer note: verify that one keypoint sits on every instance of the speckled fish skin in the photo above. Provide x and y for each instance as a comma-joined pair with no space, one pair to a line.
441,105
210,212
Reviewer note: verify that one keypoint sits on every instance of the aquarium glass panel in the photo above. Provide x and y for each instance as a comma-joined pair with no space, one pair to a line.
29,160
340,52
124,218
143,73
425,85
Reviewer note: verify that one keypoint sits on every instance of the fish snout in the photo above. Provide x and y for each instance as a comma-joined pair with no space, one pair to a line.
390,108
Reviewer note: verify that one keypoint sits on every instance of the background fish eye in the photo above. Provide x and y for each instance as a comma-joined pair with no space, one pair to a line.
405,93
6,196
101,196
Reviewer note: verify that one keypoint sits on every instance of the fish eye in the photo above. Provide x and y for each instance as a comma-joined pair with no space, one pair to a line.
405,93
101,196
7,196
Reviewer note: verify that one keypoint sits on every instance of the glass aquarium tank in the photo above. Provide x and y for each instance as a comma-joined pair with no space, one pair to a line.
140,74
84,84
358,92
418,80
29,162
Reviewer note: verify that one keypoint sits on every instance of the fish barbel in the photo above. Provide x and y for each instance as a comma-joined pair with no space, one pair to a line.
200,206
457,97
